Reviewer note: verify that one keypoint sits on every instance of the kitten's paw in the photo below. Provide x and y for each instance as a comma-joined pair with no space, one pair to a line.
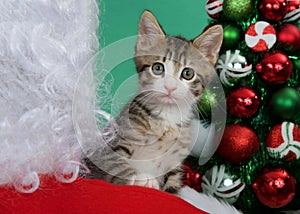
145,181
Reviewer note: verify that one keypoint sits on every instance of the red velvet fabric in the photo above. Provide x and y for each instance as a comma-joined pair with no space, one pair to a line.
91,196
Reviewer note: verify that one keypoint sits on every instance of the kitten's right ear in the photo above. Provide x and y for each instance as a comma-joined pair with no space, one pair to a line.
149,25
209,43
149,31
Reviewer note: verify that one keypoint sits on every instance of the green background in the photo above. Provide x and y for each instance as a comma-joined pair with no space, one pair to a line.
119,20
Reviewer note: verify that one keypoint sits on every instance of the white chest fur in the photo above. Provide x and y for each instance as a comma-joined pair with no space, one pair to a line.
173,115
164,145
167,144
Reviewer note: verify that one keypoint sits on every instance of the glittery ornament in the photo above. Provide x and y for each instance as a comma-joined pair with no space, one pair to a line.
285,104
273,10
231,35
288,38
274,188
207,101
221,184
232,66
293,11
192,177
283,142
260,36
237,10
214,8
275,68
243,102
238,143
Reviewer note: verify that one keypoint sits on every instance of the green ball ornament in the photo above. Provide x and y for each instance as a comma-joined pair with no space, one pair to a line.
237,10
296,64
231,36
207,102
285,104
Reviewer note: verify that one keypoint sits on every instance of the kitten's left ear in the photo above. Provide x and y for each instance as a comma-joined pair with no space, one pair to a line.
149,32
149,25
209,43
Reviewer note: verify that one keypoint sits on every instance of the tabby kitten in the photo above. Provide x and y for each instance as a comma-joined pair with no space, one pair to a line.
153,130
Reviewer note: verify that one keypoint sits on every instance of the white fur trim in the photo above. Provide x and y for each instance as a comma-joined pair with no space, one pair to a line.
206,203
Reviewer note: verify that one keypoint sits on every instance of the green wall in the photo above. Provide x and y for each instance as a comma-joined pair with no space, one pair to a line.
178,17
119,19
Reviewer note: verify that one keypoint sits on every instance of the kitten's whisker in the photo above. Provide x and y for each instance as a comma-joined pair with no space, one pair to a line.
148,95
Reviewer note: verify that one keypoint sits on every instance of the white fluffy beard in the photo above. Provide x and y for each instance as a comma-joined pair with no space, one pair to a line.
44,46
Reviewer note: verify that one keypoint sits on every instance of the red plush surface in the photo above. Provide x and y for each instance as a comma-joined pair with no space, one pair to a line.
91,196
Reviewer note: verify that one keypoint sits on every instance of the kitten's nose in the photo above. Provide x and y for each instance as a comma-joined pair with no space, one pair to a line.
170,89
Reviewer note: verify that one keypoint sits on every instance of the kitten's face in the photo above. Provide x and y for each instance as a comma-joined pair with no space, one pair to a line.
172,69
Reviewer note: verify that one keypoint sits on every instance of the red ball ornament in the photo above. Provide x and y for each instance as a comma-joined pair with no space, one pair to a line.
273,10
275,68
293,5
288,38
238,143
283,142
192,178
242,102
275,188
260,36
214,8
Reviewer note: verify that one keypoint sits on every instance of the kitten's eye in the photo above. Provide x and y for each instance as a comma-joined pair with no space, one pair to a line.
187,74
158,68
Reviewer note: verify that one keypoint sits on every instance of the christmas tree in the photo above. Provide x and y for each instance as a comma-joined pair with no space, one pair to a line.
257,165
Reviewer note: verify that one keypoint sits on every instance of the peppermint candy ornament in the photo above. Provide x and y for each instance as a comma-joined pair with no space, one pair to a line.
218,183
214,8
232,67
260,36
283,142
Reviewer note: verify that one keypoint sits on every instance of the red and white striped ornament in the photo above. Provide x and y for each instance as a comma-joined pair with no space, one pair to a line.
283,141
221,184
214,8
293,13
260,36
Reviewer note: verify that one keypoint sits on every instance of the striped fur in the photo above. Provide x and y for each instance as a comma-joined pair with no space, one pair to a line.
153,129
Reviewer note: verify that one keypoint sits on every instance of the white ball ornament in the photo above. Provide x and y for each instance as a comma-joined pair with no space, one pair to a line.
232,66
220,184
